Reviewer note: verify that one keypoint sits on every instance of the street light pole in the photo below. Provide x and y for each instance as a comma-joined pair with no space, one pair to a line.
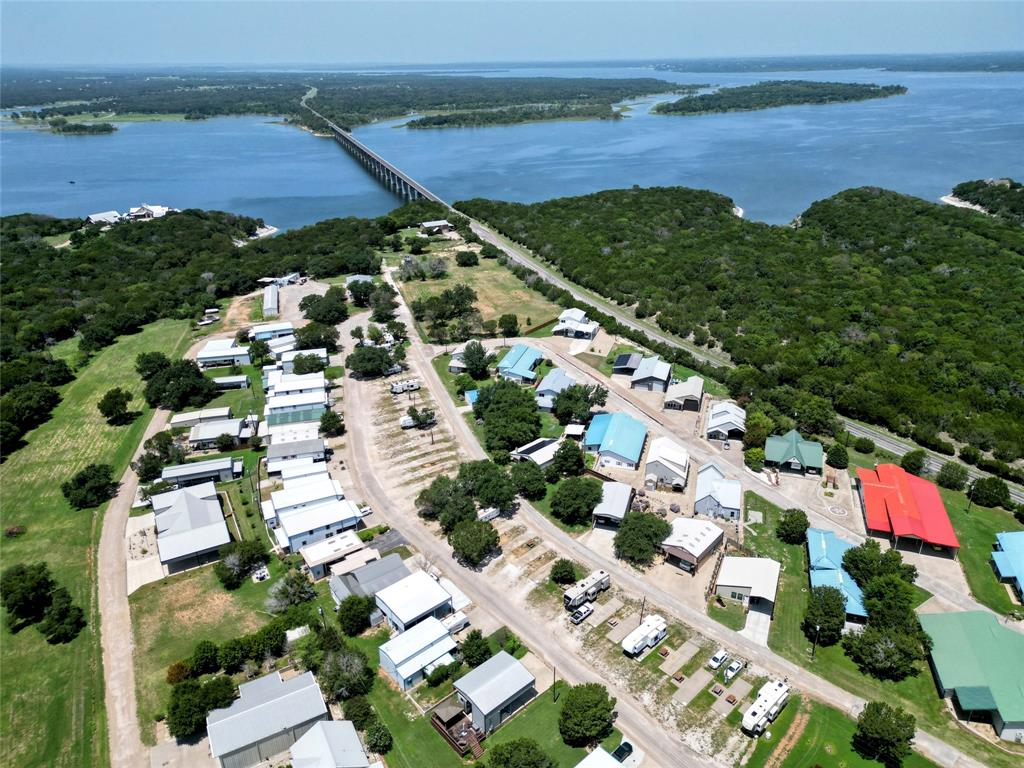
814,648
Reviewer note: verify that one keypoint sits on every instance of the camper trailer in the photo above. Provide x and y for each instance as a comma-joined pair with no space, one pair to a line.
770,701
651,631
585,591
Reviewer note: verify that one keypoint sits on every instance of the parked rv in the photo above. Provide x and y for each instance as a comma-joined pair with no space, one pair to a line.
488,514
406,385
651,631
586,591
770,701
406,422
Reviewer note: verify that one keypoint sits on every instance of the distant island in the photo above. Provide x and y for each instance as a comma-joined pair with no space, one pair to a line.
776,93
998,197
61,125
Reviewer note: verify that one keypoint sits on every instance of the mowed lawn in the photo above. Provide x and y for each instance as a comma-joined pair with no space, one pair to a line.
917,694
52,697
498,292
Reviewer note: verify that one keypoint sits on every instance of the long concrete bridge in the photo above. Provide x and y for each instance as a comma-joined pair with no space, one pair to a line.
391,177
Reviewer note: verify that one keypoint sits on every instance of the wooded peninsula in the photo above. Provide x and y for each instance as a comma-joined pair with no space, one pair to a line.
776,93
1000,197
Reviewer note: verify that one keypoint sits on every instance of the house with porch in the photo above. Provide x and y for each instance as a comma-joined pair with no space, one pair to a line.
790,451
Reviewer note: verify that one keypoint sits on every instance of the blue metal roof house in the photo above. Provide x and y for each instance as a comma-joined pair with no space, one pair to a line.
617,439
825,555
1008,558
519,362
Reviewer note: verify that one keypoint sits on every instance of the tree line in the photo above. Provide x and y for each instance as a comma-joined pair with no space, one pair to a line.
776,93
1000,197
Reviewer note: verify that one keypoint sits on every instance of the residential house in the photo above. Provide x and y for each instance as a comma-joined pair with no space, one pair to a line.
575,324
411,600
457,363
599,758
358,279
205,434
554,382
269,716
753,581
726,421
220,470
409,657
825,553
268,331
668,464
790,451
684,395
494,691
438,227
519,362
240,381
280,452
716,495
618,440
308,525
281,346
303,401
369,579
295,384
540,451
900,505
1008,560
146,211
295,469
626,363
330,744
616,499
321,555
218,353
691,542
270,301
191,418
104,217
979,662
190,526
652,375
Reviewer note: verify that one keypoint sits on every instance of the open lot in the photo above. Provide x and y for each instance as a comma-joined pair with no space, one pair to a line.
52,699
917,694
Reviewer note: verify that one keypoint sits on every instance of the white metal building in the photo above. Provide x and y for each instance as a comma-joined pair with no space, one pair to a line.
412,655
411,600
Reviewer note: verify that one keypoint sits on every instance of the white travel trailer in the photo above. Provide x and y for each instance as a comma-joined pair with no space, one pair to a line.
770,701
585,591
651,631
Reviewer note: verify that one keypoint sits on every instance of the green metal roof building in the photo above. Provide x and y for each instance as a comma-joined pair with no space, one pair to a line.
981,663
793,452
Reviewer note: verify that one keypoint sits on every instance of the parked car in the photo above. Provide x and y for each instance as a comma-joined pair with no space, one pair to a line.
733,669
581,613
406,422
393,370
720,657
624,750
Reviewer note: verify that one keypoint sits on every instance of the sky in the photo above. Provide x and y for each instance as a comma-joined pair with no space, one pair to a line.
238,32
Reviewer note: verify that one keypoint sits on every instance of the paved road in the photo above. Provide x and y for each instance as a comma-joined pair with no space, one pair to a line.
565,545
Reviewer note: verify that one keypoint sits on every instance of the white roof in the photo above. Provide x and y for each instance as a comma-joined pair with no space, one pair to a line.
575,430
296,382
695,536
574,315
338,546
711,481
670,453
301,471
415,640
216,348
211,430
413,596
437,223
599,758
189,521
302,461
227,380
494,682
107,216
271,328
197,468
207,414
692,387
329,744
540,451
330,513
759,574
296,493
280,448
266,707
284,402
726,413
615,498
652,368
281,344
293,432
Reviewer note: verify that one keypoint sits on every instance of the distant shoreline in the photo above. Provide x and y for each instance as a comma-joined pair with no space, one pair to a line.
956,202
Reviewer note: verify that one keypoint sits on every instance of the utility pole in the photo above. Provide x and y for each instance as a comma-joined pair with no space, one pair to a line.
643,606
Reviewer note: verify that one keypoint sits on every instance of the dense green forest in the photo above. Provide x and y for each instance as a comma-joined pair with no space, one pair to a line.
1000,197
776,93
346,99
886,307
109,283
61,125
512,115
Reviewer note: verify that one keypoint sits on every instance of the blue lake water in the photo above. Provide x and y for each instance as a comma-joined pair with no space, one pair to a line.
950,127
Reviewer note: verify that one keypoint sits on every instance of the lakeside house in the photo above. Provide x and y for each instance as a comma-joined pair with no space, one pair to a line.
626,363
726,421
790,451
103,217
691,542
220,470
900,505
308,510
437,227
270,300
979,663
752,581
268,331
280,452
368,580
412,655
321,556
269,716
221,353
191,418
717,495
616,499
330,744
617,439
550,386
684,395
540,451
412,600
1008,560
206,433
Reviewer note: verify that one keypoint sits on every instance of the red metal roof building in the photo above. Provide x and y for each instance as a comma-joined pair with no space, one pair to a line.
903,505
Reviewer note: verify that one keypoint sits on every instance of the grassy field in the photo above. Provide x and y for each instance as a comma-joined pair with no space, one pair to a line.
498,292
916,694
825,740
242,401
170,616
731,616
52,696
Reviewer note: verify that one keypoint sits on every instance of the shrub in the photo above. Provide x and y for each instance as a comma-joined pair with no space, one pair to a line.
475,649
90,486
575,499
378,738
354,614
62,619
638,537
864,445
586,715
838,457
204,658
178,671
754,459
952,475
466,259
360,712
563,572
884,733
914,461
473,540
792,527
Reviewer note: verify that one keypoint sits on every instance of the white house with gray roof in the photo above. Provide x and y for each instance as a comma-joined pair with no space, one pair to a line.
653,375
190,526
412,600
684,395
269,716
716,494
494,691
726,420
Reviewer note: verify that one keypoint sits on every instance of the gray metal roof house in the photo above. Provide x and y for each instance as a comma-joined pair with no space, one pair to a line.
219,470
492,692
653,374
190,526
369,579
267,718
330,744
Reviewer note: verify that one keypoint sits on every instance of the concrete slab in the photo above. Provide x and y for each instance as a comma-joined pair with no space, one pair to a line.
623,628
142,566
679,657
174,754
692,686
739,689
540,671
603,612
757,627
